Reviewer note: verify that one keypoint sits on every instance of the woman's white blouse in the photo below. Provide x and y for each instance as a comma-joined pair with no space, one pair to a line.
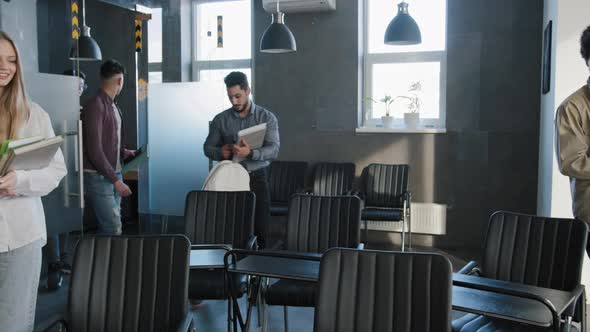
22,220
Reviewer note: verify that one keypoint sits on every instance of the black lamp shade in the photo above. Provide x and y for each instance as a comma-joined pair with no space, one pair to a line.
278,38
402,30
86,49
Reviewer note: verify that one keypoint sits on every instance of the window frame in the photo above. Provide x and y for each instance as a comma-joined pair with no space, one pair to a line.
370,59
198,65
155,67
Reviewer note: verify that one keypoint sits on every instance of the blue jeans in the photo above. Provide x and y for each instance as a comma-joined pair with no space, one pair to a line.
106,202
19,279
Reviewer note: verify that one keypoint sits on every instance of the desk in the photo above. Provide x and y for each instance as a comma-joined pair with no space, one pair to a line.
501,306
270,264
512,301
208,256
494,298
304,267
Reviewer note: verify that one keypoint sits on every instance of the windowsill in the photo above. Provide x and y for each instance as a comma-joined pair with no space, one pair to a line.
401,130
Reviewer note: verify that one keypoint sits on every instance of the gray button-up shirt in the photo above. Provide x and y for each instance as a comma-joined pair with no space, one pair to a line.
224,130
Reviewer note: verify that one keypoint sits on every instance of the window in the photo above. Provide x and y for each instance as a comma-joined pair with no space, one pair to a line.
155,46
213,60
394,70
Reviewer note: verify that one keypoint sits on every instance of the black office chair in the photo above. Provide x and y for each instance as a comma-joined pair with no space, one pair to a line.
368,290
285,179
533,250
384,189
129,283
216,217
332,179
315,224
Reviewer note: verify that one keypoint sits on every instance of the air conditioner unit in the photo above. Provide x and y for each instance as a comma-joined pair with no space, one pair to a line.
299,6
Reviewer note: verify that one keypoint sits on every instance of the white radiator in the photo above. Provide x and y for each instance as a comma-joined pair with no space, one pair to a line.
427,218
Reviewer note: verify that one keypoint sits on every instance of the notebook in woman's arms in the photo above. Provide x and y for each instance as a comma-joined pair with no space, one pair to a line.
35,155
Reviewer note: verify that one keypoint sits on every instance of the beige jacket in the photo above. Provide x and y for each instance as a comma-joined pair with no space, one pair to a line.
572,132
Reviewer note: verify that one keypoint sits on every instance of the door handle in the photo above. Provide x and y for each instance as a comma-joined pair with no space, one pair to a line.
65,150
80,163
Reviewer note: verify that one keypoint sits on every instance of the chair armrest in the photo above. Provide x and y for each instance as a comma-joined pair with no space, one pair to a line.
355,192
470,268
304,190
50,322
407,196
576,293
187,323
252,243
360,246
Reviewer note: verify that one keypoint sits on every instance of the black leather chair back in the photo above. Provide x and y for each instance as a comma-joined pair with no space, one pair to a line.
367,290
384,185
129,283
218,217
533,250
332,179
285,178
317,223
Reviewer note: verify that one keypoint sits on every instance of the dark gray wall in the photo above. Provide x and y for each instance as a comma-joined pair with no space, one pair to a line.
488,158
113,29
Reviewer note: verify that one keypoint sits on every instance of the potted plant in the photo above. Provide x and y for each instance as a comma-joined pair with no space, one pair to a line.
386,119
412,118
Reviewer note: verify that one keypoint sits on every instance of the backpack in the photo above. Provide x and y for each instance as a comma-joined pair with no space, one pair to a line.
227,176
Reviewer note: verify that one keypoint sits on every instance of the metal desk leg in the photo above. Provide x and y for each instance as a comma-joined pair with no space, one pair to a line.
408,212
164,226
229,318
258,307
366,233
264,306
568,322
409,230
286,318
251,300
403,234
229,301
233,307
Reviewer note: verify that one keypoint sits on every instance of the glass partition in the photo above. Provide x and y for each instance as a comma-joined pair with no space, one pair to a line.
178,123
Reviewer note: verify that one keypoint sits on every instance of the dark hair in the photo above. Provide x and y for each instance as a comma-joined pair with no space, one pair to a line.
585,44
111,68
236,78
72,72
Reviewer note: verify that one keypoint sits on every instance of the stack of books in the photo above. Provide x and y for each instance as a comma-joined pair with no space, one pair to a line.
28,153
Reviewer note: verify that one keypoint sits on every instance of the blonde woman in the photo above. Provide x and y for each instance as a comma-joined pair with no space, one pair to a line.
22,221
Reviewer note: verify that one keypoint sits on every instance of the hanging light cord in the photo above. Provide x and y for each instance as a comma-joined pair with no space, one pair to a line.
278,9
83,12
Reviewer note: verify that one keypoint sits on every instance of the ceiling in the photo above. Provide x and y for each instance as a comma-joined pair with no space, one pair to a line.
131,3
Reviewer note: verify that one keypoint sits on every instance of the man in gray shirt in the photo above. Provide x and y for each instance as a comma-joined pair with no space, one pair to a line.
222,143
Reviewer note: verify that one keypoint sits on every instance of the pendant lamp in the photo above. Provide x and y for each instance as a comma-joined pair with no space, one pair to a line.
278,38
402,30
85,48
